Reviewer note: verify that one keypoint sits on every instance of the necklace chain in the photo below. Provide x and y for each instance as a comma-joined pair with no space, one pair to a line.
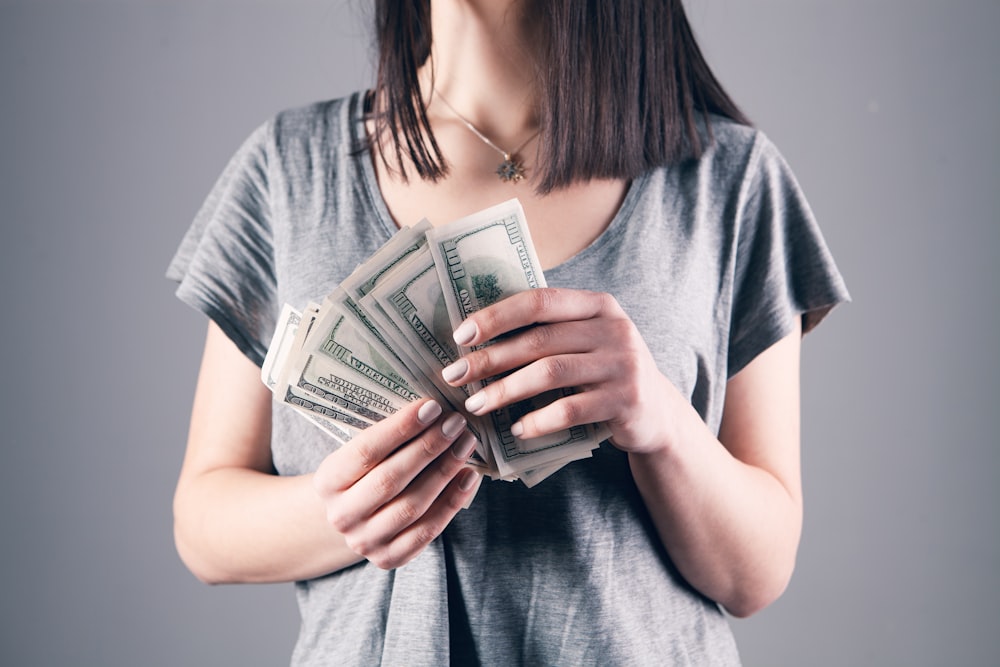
512,168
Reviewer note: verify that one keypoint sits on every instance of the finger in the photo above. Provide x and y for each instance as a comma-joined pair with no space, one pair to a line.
547,374
355,459
543,305
409,506
587,407
415,538
390,477
525,347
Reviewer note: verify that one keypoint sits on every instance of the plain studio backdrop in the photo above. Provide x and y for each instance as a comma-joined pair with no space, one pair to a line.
118,116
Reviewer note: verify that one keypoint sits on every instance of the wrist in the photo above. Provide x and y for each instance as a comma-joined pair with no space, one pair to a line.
658,430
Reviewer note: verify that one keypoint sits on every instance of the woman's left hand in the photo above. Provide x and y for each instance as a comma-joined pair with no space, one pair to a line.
557,338
727,511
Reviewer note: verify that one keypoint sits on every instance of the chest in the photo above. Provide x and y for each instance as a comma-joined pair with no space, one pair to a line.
663,256
562,223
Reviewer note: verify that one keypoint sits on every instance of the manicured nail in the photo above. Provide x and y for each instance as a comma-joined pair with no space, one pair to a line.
428,412
465,332
453,425
468,479
475,403
517,429
463,447
455,371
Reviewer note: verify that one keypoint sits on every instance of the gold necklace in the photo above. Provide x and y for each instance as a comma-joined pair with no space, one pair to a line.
512,168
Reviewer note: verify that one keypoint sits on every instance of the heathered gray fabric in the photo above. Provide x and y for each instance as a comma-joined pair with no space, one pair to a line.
713,259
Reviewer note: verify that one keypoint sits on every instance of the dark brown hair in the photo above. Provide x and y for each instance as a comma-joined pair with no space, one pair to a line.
622,83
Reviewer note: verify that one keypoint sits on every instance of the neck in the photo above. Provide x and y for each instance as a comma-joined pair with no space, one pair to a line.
481,62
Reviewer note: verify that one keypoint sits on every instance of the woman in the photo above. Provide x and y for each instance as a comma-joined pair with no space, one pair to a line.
686,266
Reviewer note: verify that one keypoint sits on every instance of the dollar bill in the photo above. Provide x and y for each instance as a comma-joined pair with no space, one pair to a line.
383,343
341,366
381,339
409,305
281,345
392,264
367,276
480,260
386,259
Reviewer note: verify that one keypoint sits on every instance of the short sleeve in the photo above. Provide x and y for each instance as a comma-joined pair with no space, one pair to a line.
224,266
783,267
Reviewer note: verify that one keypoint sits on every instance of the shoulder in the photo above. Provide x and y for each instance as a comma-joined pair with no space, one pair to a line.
298,143
729,135
319,118
733,161
298,132
733,149
749,154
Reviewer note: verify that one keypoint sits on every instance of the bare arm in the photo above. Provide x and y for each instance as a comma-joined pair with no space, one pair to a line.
388,492
234,519
728,510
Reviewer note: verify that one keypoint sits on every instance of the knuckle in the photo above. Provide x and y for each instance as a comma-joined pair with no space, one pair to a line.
386,483
429,446
482,362
449,469
553,368
403,429
538,338
322,483
357,545
622,330
338,522
542,300
367,455
381,561
568,411
405,513
454,502
344,522
488,320
630,365
426,532
609,304
497,392
445,468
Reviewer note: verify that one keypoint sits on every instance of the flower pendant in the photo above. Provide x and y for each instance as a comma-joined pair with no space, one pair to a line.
511,169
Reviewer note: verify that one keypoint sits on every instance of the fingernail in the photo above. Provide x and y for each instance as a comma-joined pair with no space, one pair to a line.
453,425
463,447
475,403
428,412
517,429
468,480
465,332
455,370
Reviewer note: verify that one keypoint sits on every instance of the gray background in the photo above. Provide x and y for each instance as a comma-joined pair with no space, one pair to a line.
117,117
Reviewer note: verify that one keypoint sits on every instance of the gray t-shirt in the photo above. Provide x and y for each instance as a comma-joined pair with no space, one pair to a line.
713,259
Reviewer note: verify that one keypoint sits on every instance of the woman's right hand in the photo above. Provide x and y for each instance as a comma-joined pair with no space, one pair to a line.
396,485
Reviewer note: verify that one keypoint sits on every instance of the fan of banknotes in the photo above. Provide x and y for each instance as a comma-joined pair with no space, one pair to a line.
381,339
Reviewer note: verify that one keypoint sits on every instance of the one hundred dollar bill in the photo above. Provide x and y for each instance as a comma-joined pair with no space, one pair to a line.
480,260
386,259
338,368
381,339
409,305
281,345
